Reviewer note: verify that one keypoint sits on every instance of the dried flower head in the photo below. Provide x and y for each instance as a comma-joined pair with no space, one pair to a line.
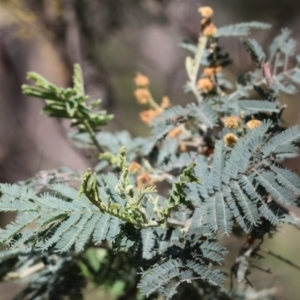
230,139
232,122
144,179
134,167
205,85
207,151
142,95
211,72
250,240
206,12
253,124
175,132
209,30
141,80
165,102
147,115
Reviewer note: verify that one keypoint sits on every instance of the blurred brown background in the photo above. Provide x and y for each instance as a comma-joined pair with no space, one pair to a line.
112,39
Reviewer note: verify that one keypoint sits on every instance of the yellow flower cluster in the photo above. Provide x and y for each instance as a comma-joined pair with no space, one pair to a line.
142,93
207,26
206,84
233,122
144,97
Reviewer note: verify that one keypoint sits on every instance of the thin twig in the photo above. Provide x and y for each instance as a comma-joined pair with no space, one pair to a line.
261,269
31,270
92,135
280,258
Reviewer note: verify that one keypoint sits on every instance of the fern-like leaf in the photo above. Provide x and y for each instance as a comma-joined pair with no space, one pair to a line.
255,106
283,139
213,251
217,166
148,240
241,29
235,210
159,276
249,209
255,50
278,192
214,277
287,179
203,114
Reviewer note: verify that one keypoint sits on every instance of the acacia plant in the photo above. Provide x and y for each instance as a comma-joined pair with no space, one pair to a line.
150,215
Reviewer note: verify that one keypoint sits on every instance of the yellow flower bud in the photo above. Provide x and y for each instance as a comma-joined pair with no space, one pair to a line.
210,30
141,80
206,12
205,85
147,115
142,95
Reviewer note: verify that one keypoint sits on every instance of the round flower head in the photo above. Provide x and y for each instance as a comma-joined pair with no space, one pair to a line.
142,95
206,12
232,122
141,80
134,167
211,72
205,85
210,30
144,179
253,124
174,132
230,139
147,115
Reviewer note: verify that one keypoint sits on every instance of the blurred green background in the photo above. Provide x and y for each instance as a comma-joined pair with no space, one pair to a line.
112,40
